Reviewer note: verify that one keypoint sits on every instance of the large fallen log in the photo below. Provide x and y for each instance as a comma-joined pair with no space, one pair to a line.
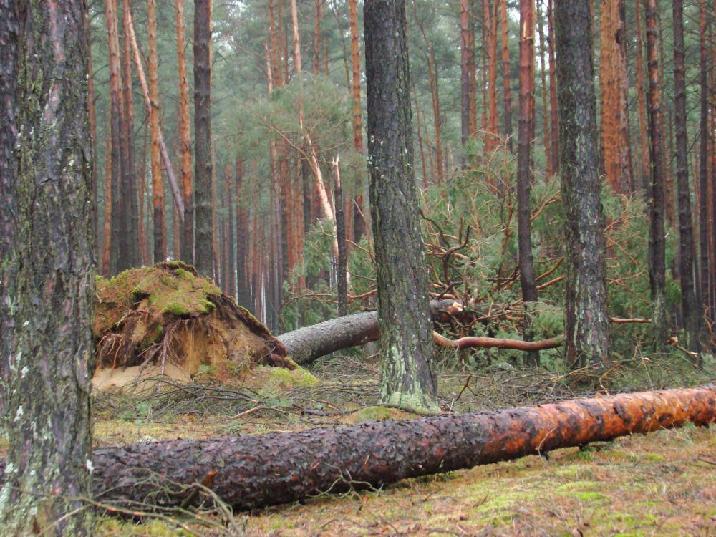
274,468
311,342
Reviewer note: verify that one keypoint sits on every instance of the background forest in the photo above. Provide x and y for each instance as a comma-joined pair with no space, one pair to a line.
287,108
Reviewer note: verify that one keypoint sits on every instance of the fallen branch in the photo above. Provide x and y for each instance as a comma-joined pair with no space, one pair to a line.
620,320
258,470
497,343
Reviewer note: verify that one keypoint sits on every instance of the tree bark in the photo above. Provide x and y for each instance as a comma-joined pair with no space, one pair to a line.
645,167
657,254
255,471
506,76
9,28
160,243
118,258
129,183
704,276
553,104
524,168
467,74
690,307
586,319
203,209
187,242
342,265
406,344
490,29
613,88
357,207
52,260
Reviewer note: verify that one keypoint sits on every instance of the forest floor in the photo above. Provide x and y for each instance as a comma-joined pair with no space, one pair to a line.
663,483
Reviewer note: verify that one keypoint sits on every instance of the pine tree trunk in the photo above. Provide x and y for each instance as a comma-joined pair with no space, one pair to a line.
490,28
342,265
357,206
406,332
546,134
51,258
187,242
160,243
129,184
657,264
316,63
690,307
553,104
645,167
524,171
613,89
106,266
506,76
118,258
704,291
204,235
586,320
467,73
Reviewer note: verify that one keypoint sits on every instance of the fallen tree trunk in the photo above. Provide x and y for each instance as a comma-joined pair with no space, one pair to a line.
311,342
274,468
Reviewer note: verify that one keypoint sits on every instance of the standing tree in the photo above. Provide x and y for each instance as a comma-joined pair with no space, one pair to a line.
160,244
524,168
202,139
657,248
586,320
690,307
50,239
403,309
187,239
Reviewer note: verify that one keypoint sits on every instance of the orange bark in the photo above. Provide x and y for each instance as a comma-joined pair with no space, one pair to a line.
613,86
490,25
187,186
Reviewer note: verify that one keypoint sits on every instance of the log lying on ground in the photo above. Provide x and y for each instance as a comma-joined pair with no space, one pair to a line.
311,342
255,471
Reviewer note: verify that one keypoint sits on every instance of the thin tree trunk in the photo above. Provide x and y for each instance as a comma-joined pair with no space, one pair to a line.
316,64
107,230
160,243
202,138
467,76
586,320
342,276
130,178
613,86
690,307
117,259
524,171
357,206
187,243
506,76
546,134
52,263
645,167
490,30
657,265
704,291
406,344
553,104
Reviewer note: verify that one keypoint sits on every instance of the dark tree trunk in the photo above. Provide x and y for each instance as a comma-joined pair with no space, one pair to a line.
53,266
704,292
406,344
202,139
342,276
258,470
467,73
690,307
657,254
129,182
524,169
586,320
8,177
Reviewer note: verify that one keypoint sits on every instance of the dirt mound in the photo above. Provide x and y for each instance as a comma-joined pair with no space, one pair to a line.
166,315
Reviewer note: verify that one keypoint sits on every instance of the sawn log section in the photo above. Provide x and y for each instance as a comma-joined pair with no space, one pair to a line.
255,471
